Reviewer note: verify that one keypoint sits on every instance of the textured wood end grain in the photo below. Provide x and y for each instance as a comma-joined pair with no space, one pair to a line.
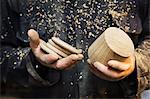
119,42
113,43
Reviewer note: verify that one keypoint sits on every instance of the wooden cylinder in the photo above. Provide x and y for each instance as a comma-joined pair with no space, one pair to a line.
113,43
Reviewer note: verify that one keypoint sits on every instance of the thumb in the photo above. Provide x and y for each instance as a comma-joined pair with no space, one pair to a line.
34,38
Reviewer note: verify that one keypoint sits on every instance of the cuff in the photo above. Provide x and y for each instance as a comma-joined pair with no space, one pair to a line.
40,73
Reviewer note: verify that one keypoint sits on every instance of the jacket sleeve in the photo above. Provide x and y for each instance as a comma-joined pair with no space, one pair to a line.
11,56
142,55
17,63
142,52
139,31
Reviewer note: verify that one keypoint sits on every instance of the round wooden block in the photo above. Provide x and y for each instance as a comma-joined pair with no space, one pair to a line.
113,43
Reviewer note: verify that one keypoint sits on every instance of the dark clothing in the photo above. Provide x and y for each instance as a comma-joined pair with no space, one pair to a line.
78,22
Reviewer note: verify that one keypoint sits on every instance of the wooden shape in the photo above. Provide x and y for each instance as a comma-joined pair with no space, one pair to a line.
113,43
46,49
119,42
56,50
66,45
58,47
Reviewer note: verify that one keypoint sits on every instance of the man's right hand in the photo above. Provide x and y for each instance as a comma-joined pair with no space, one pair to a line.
50,60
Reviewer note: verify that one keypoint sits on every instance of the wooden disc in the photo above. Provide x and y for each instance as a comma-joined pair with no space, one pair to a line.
56,50
58,47
47,50
66,45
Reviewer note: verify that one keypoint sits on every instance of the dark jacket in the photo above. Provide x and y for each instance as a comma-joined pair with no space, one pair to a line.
79,22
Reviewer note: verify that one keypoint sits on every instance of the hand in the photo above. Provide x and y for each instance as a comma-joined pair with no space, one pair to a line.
50,60
115,70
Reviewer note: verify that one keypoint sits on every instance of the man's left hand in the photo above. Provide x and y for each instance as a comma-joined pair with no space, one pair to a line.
115,70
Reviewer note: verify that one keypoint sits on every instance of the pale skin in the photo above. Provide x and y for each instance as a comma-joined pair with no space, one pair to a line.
115,70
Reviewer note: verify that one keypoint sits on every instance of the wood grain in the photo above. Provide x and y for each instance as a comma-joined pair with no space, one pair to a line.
56,50
113,43
66,46
58,47
46,49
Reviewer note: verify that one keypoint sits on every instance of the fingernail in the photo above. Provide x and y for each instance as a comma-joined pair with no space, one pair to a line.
30,32
88,60
109,63
80,56
95,64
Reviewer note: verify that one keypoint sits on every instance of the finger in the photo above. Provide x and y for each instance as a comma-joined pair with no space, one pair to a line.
34,38
80,58
118,65
107,71
68,61
44,58
101,75
48,58
71,66
96,71
89,61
